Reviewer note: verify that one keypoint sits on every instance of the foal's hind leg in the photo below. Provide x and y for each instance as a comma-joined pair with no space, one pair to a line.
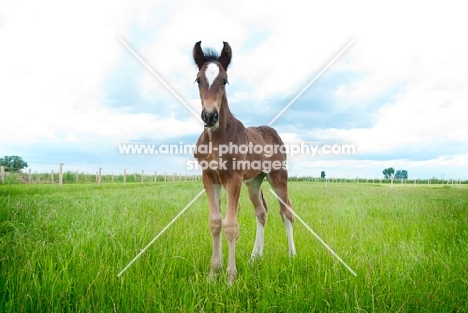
279,182
261,209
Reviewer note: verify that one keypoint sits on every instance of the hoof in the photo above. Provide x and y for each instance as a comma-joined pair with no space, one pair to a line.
254,258
213,277
231,277
230,280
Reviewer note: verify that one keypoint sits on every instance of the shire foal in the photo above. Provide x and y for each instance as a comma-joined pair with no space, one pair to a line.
223,129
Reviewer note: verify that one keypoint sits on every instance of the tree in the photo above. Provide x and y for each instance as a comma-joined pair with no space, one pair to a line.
13,163
404,174
388,172
401,174
322,174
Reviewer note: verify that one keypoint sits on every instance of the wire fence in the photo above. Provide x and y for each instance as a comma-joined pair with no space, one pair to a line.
59,176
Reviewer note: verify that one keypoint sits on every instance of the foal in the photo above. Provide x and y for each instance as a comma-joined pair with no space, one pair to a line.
230,168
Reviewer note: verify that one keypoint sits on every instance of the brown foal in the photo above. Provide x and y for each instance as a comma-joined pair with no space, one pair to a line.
228,168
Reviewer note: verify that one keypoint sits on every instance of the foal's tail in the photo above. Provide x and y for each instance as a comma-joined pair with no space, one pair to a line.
264,202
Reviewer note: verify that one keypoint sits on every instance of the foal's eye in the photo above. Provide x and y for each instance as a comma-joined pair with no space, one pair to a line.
225,81
197,80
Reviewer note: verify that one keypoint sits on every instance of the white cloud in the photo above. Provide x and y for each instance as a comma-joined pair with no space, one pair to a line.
447,167
420,115
54,58
101,124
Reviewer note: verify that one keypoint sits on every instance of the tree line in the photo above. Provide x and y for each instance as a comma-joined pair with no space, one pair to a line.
390,173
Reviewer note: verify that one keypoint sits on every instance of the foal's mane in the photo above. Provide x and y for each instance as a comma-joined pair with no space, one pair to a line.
210,55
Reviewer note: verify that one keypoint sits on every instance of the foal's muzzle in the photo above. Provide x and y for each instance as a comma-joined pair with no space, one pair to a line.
209,118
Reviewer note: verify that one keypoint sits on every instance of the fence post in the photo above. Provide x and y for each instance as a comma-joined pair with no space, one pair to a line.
164,176
52,176
29,176
60,174
99,176
155,176
112,177
2,174
125,176
142,176
76,176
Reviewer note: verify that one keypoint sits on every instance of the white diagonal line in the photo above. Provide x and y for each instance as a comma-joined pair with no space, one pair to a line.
313,233
160,233
312,81
160,79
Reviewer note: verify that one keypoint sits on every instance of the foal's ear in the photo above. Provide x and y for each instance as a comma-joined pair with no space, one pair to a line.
226,55
198,55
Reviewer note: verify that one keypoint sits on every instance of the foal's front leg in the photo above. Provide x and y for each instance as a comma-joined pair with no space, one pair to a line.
231,228
213,190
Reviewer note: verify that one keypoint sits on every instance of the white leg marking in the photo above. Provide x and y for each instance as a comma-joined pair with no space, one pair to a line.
259,239
289,231
315,235
211,72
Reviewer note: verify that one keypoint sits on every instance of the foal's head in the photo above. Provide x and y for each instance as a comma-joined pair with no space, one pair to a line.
211,79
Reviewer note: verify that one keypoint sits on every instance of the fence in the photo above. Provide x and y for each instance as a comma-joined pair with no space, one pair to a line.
69,177
381,181
60,177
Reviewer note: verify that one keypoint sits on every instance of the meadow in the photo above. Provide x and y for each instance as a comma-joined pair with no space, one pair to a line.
61,249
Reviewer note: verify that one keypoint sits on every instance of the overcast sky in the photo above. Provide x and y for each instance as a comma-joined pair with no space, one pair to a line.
70,91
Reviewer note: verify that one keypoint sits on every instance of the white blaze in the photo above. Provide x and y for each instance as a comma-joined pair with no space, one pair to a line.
211,72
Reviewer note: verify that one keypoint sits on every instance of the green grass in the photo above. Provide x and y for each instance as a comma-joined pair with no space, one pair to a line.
62,248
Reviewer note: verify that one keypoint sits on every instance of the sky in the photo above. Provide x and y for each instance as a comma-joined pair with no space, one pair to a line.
71,91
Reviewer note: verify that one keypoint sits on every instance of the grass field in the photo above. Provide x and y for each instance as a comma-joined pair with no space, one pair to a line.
62,248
